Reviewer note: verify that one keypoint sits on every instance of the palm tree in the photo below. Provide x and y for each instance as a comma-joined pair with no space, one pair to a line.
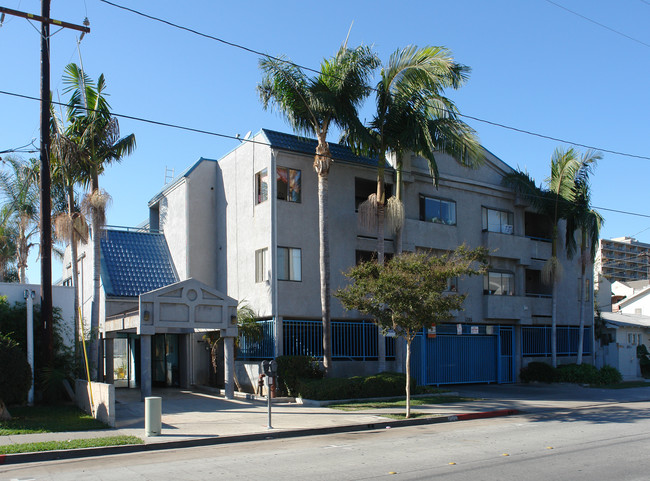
311,106
70,225
413,115
19,189
555,202
8,237
583,217
97,135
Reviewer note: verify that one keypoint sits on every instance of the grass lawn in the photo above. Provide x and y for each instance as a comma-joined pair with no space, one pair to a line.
624,385
48,419
71,444
398,402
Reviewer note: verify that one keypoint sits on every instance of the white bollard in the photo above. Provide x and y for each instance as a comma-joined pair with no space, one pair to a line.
152,416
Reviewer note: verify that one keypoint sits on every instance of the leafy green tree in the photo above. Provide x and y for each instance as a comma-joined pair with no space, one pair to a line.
312,106
20,194
97,135
413,115
557,202
408,293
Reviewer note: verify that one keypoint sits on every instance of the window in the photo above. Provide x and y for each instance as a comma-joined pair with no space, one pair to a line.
364,188
499,284
452,284
498,221
538,226
261,186
288,182
289,264
367,256
535,287
261,272
437,210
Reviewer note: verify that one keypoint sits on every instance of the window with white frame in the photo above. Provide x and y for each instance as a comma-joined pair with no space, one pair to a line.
495,220
436,210
288,182
261,186
261,271
289,264
499,284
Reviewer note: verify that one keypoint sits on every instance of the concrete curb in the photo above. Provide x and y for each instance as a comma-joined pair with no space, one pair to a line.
216,440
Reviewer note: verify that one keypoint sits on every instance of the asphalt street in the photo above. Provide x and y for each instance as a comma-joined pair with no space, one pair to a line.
590,443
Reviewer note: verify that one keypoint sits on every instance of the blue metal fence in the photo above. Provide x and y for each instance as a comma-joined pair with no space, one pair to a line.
263,348
350,340
536,341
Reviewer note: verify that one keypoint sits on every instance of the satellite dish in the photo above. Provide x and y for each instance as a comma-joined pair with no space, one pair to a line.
248,135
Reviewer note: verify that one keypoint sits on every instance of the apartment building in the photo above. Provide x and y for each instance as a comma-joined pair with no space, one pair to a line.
247,225
623,259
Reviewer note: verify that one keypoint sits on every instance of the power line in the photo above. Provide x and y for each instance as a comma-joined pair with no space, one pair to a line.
234,137
599,24
205,35
477,119
555,139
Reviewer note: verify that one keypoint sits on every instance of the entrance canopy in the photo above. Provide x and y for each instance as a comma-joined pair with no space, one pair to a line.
184,307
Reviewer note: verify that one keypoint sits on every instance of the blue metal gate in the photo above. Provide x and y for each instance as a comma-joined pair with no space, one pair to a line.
478,354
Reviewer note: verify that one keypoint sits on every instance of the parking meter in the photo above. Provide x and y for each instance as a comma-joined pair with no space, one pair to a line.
270,369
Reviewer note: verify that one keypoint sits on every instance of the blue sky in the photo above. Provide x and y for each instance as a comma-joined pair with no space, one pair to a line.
535,67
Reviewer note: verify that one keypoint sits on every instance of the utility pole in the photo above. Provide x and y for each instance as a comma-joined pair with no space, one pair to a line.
45,181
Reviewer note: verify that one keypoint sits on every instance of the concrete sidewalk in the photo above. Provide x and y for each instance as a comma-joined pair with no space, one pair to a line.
195,418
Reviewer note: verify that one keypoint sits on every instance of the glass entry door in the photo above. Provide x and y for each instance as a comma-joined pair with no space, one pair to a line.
165,360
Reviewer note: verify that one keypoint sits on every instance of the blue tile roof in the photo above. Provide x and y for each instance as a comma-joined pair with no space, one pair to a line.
135,262
294,143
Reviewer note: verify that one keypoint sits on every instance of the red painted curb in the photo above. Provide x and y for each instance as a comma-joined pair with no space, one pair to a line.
487,414
2,458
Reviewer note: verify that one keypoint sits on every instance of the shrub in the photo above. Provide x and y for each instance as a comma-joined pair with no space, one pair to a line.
609,375
538,372
293,368
579,374
385,384
15,372
644,359
47,378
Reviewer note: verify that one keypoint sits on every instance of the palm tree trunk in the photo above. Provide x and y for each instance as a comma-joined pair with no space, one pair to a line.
75,274
554,325
381,209
21,253
322,164
398,196
583,295
94,316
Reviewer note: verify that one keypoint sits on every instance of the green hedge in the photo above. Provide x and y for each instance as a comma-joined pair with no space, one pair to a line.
385,384
15,372
291,369
571,373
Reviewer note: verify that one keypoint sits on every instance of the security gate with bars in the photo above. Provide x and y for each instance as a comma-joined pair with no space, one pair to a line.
487,355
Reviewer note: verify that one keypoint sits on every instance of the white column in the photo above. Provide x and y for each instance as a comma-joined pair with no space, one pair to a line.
145,366
229,366
29,299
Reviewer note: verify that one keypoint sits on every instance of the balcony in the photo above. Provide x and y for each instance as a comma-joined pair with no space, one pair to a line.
430,235
523,249
515,307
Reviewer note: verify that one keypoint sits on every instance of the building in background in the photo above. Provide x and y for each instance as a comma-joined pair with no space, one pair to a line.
623,259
